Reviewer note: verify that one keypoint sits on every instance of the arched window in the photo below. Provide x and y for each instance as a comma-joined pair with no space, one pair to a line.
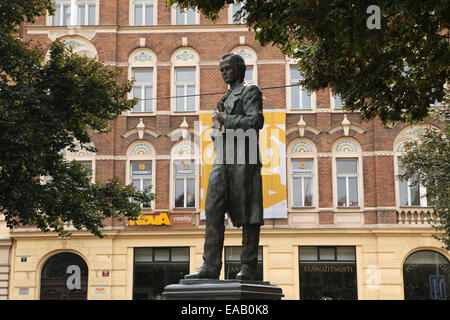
408,194
140,168
347,168
184,176
79,45
141,68
426,275
84,157
64,276
302,168
250,58
185,83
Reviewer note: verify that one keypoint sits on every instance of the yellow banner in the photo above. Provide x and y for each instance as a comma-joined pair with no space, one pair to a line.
272,142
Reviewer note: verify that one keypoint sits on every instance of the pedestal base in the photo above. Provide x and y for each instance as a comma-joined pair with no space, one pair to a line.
208,289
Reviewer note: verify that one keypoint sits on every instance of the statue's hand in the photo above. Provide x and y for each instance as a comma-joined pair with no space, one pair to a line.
221,116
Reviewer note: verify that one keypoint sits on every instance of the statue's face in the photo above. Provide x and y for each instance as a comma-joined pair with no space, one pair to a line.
229,70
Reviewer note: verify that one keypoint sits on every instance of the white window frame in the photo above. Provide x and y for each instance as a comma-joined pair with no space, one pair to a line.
185,57
145,3
230,14
423,202
143,58
347,176
143,86
315,181
73,20
344,155
175,11
292,63
141,157
177,155
81,155
333,103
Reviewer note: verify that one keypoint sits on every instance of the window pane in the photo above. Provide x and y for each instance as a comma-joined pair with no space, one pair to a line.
148,15
341,193
346,254
179,193
143,75
66,11
190,193
295,73
308,184
191,16
185,74
179,101
137,184
145,184
137,93
81,14
347,166
56,18
249,74
184,167
138,11
308,253
190,98
179,16
403,190
143,254
338,104
235,8
415,195
180,254
148,98
161,254
86,164
326,254
91,17
233,253
295,97
353,191
302,166
297,192
306,99
139,168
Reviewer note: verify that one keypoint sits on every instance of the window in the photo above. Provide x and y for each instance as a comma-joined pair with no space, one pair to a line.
347,182
86,13
337,103
327,273
83,157
62,14
75,12
233,262
185,89
302,174
235,7
426,275
141,176
155,268
143,89
141,168
143,13
300,98
186,16
184,181
410,195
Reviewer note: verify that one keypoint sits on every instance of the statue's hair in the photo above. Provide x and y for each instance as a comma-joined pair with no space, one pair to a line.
238,61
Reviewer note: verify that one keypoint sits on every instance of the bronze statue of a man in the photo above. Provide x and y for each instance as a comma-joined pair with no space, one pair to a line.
235,182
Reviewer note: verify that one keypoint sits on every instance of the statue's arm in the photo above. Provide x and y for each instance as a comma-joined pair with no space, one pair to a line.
253,117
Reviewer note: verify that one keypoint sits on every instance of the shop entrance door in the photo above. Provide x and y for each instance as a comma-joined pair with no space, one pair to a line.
64,277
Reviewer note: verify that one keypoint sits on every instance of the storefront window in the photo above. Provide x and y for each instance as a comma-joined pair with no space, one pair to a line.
426,275
327,273
64,277
233,263
155,268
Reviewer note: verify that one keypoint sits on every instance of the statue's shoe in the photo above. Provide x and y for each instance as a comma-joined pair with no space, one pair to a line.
206,271
247,273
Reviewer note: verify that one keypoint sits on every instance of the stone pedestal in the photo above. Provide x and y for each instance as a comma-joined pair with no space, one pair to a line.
208,289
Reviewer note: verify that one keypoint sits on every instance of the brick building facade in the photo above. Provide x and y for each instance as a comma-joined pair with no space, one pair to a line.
343,202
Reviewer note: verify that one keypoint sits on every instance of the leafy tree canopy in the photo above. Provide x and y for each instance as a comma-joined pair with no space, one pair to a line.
394,72
47,107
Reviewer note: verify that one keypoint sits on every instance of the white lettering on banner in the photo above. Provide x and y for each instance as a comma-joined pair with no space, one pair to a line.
74,280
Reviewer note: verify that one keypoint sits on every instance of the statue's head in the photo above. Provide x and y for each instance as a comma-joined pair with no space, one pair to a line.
237,64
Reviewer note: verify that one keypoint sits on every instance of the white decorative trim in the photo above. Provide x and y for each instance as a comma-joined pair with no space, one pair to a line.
185,55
